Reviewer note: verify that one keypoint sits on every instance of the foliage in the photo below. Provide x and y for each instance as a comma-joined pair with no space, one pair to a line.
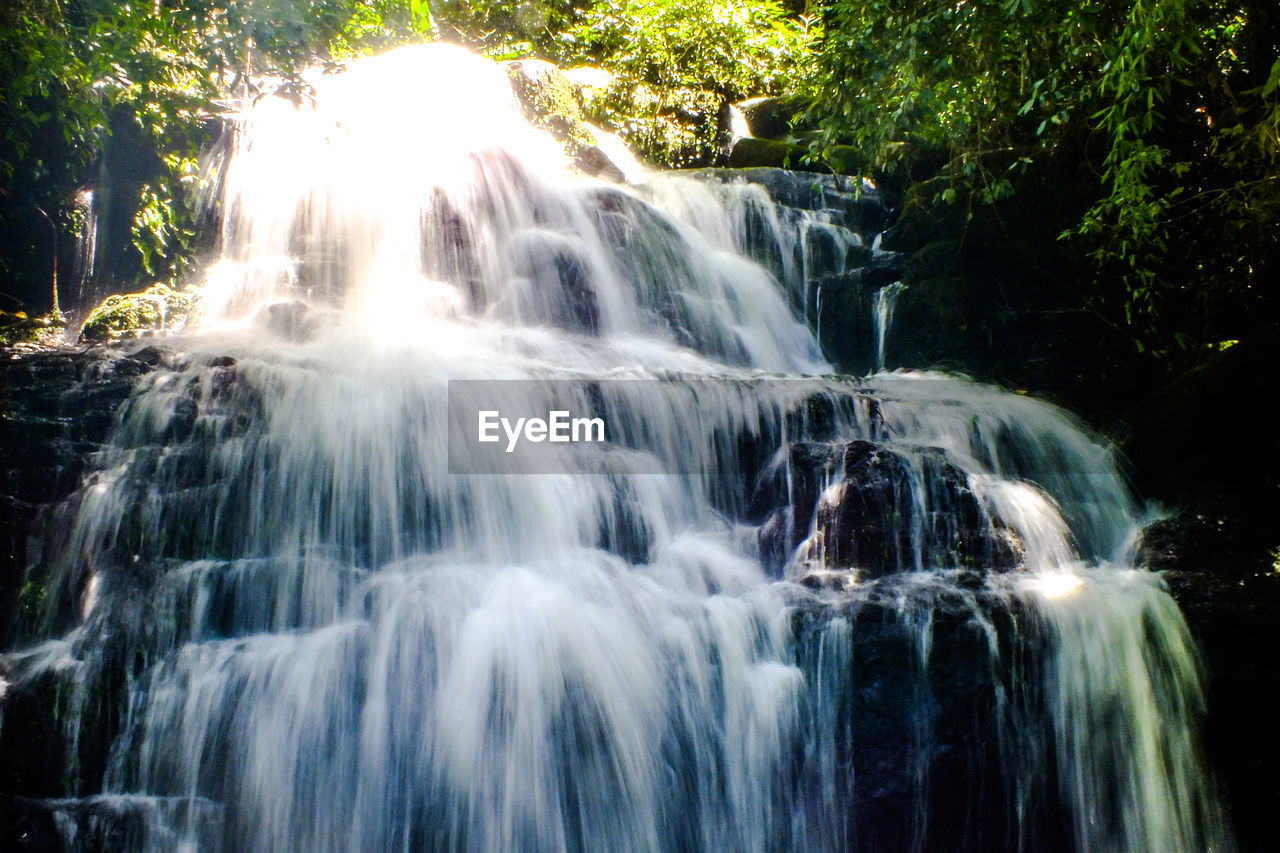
676,65
81,78
735,48
1174,102
674,127
77,73
508,30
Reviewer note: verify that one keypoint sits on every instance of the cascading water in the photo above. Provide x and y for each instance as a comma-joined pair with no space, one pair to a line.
882,318
778,611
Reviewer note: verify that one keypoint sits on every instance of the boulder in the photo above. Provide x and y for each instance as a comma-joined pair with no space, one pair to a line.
550,102
924,729
159,308
767,118
888,510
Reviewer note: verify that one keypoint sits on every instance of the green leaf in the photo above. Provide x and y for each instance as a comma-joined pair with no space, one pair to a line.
1272,81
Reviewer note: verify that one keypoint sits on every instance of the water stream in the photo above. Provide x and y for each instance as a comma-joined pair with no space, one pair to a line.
295,608
882,316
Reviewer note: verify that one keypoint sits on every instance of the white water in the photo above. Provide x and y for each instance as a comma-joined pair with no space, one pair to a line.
336,644
882,318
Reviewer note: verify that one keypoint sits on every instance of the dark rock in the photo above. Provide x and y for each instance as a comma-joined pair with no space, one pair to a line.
55,411
767,118
888,513
921,734
591,160
841,307
105,822
1233,618
993,292
561,290
838,580
1219,555
861,207
29,826
871,510
293,321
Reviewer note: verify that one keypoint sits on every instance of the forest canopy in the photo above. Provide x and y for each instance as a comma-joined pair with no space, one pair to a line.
1174,105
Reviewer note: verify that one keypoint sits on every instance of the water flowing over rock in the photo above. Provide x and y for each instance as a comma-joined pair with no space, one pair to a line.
276,597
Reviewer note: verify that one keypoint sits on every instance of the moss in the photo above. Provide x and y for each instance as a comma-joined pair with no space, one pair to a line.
31,601
548,100
19,330
156,309
751,152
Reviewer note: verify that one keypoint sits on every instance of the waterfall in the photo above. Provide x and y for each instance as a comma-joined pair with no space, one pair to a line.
298,604
882,318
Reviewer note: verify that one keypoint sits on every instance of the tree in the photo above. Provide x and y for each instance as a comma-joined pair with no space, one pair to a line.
79,76
1174,101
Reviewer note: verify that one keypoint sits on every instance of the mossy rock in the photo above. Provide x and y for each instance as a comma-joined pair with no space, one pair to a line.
550,102
22,332
159,308
751,152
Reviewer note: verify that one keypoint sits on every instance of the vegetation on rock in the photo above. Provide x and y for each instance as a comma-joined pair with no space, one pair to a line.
158,308
19,330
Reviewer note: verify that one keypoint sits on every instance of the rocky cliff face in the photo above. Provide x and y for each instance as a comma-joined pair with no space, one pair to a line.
55,411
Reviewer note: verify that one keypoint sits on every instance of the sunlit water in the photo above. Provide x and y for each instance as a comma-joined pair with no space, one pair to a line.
321,639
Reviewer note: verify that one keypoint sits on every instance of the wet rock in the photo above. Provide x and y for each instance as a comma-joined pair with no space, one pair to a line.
837,580
841,307
159,308
1233,618
293,321
895,512
873,510
857,202
55,412
107,823
918,728
559,288
28,825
